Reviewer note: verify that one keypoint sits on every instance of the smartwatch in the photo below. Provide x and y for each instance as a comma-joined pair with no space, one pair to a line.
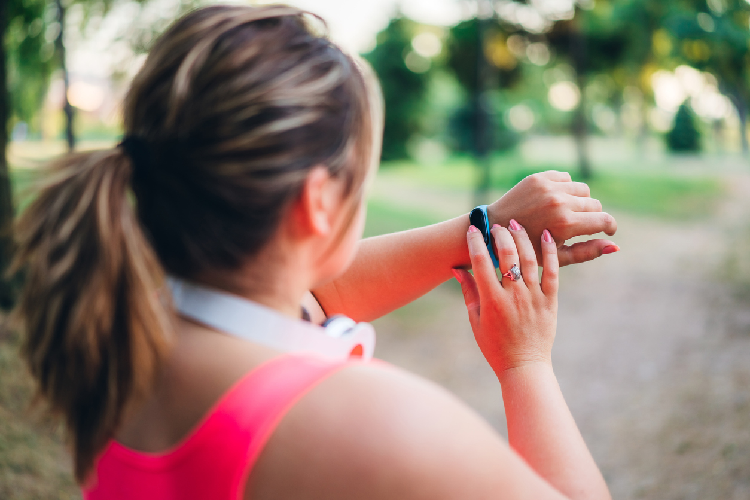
479,219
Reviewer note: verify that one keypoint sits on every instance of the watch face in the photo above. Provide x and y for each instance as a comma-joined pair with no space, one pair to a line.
479,220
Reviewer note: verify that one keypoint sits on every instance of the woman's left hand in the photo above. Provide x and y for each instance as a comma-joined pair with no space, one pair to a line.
551,200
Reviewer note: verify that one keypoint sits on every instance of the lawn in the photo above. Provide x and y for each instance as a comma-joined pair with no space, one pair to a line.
667,194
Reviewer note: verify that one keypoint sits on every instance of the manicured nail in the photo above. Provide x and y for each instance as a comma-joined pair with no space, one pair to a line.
457,275
496,225
547,237
472,229
610,249
515,226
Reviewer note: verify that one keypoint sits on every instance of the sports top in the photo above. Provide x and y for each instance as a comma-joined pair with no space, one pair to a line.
215,459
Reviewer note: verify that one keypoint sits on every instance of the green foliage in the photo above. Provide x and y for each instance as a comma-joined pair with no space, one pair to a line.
404,90
501,69
463,55
592,41
684,136
462,130
29,57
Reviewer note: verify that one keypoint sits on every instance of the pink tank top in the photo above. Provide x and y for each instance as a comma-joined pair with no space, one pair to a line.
214,460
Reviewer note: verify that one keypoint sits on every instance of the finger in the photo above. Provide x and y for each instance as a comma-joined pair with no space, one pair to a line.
586,223
526,254
556,176
471,295
576,189
587,204
551,265
505,248
481,263
585,251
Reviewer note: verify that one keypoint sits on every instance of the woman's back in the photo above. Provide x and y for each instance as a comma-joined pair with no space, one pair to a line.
213,459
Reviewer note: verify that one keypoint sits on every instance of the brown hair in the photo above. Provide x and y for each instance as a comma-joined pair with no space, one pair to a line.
233,106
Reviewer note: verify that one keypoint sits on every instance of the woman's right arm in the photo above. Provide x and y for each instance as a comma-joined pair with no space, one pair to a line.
514,323
374,432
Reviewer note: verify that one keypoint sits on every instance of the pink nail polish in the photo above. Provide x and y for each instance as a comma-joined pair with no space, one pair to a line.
515,226
610,249
457,275
547,237
472,229
496,225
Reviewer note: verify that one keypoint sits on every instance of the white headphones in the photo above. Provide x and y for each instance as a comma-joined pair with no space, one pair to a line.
338,339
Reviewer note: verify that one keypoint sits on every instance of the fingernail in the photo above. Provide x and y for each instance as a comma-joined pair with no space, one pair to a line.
472,229
547,237
457,275
515,226
610,249
496,225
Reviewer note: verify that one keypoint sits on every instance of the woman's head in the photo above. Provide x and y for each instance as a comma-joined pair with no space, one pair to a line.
234,110
237,105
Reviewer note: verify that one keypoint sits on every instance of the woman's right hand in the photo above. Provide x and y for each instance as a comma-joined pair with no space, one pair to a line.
514,322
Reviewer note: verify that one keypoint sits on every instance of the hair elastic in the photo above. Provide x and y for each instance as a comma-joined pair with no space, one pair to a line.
138,150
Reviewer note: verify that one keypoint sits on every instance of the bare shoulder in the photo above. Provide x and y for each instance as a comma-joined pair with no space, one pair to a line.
372,431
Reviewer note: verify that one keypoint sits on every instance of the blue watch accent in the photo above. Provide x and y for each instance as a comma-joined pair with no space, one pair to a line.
479,219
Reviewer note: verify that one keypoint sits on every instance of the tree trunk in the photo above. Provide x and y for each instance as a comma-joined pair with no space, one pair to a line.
483,126
581,132
60,49
741,106
579,125
738,96
7,289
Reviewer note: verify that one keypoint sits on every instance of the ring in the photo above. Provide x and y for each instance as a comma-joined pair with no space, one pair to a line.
514,273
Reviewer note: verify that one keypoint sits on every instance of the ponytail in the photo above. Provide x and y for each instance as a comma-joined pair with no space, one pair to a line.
94,323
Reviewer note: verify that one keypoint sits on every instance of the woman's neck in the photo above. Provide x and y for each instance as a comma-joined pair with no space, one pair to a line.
269,279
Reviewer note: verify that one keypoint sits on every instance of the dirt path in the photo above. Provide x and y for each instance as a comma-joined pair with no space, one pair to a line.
652,353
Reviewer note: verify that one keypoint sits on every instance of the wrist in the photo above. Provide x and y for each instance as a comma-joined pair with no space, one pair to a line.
496,213
525,371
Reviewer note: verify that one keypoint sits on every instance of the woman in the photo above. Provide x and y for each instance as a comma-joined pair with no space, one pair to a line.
250,141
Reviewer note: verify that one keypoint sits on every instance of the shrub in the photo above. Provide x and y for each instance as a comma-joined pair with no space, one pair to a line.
684,136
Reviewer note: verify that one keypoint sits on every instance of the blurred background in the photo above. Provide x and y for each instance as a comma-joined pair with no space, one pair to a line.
646,100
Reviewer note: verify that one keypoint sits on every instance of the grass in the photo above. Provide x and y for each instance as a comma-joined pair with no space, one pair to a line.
657,193
385,218
33,461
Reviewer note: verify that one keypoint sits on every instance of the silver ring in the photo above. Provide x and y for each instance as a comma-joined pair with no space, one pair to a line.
514,273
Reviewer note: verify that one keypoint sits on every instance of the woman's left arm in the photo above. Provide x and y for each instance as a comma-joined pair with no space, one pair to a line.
391,270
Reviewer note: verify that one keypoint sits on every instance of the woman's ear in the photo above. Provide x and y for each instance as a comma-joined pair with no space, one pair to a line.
318,203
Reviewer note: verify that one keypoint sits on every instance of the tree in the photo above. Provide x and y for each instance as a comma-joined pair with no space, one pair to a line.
6,203
23,79
479,57
713,36
684,136
26,61
640,23
404,77
593,44
62,61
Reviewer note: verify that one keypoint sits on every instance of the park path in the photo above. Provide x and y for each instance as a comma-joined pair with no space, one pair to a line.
652,353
